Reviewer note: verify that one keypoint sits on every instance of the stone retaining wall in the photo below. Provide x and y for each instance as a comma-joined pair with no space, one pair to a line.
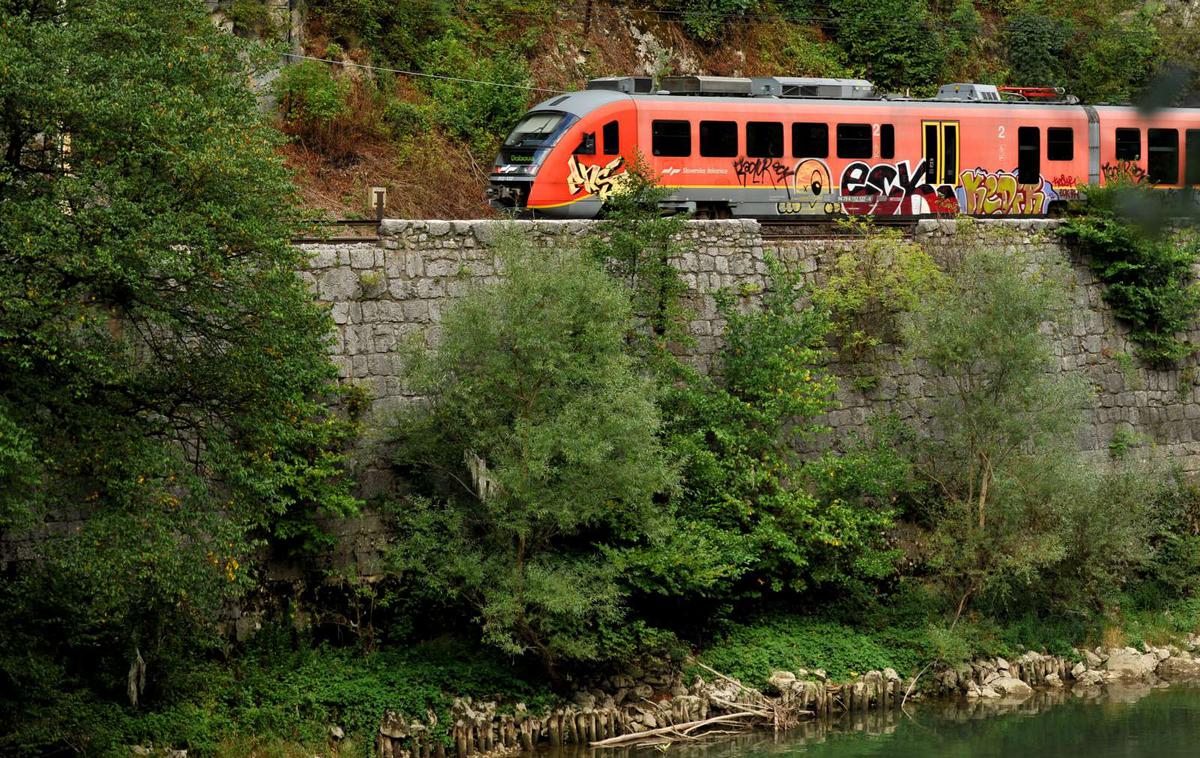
382,293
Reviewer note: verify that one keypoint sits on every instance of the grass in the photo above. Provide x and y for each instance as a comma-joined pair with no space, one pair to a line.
752,651
279,698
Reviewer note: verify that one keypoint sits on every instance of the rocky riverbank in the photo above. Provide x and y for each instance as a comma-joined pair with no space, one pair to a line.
997,677
660,706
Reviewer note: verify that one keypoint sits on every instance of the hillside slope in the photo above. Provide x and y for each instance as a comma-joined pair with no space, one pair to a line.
361,122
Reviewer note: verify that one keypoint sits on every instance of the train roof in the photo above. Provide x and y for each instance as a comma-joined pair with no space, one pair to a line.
707,91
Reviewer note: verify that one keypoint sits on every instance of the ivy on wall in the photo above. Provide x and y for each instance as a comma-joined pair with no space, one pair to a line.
1147,270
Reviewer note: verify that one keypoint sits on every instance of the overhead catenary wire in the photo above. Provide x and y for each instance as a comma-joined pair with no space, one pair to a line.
425,75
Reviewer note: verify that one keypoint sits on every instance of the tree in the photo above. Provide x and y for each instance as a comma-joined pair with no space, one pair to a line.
1003,430
162,368
895,40
753,516
1116,59
1037,44
537,450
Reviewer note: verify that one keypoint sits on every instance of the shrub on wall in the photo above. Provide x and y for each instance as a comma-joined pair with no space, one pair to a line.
873,281
1146,268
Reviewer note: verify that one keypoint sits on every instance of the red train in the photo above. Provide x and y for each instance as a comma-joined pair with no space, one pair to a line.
788,147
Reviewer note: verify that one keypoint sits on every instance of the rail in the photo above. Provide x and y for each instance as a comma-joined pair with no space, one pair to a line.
341,230
825,228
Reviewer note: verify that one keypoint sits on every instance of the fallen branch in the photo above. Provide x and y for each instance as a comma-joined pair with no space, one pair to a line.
729,679
680,729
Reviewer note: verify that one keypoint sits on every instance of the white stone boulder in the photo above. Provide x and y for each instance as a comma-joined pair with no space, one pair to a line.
1012,687
1179,667
1128,663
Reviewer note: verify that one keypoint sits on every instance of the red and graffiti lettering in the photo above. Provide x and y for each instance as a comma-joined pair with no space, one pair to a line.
893,189
1124,172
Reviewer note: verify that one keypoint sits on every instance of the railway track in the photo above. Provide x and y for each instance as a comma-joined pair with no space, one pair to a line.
367,230
826,228
341,230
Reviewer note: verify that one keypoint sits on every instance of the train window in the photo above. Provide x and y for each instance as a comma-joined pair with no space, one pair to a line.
949,152
887,141
931,150
854,140
718,139
1060,144
764,139
1129,144
1191,171
810,140
612,138
1163,148
534,129
1029,155
672,139
587,145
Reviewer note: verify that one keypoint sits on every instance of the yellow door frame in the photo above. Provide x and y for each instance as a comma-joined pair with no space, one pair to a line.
937,171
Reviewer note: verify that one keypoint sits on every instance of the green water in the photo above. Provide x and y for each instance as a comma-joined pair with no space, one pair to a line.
1121,723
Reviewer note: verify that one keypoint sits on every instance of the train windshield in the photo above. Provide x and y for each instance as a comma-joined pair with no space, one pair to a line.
535,129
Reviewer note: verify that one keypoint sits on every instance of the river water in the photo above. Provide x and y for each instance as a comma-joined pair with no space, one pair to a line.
1117,723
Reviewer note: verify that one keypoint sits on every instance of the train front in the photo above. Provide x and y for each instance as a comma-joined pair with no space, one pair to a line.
561,160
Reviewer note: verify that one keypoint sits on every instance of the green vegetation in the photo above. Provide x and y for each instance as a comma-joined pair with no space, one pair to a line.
752,651
580,497
469,40
163,372
1145,265
871,283
282,693
540,454
313,102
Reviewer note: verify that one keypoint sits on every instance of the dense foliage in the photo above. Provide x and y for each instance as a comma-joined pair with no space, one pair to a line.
540,448
579,495
1146,265
162,368
1016,506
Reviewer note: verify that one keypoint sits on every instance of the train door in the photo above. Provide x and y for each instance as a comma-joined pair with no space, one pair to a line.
942,150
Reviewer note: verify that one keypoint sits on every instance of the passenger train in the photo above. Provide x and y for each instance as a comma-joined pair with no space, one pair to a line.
781,147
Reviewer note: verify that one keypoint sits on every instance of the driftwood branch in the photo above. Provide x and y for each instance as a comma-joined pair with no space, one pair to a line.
678,730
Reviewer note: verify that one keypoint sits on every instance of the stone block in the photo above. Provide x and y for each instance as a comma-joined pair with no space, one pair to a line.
338,284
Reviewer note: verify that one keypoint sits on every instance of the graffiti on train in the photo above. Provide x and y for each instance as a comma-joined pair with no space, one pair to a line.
1124,172
762,171
811,192
595,180
986,193
893,189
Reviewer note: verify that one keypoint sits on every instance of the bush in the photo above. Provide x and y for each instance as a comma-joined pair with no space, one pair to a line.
314,102
997,453
748,521
1037,47
538,451
405,119
750,652
798,51
896,40
1146,269
706,19
481,114
1116,59
872,283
